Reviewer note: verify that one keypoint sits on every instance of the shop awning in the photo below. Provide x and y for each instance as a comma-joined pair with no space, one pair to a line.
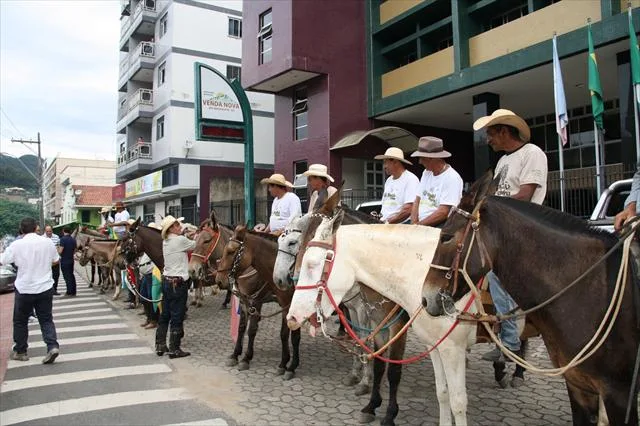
394,136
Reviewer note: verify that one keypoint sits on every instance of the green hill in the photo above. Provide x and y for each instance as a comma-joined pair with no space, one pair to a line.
12,173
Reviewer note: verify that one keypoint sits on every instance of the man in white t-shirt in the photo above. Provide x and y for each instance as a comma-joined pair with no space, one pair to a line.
440,186
400,188
286,205
523,175
120,220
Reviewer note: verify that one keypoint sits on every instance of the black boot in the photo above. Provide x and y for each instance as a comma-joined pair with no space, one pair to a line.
174,345
161,339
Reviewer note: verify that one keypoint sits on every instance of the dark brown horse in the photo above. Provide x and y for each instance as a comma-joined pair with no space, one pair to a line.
143,239
537,252
259,250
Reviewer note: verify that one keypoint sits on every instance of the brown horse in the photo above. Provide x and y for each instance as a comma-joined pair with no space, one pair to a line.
106,254
259,250
537,252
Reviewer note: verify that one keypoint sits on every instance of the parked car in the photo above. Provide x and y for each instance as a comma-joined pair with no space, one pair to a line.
611,202
7,278
370,207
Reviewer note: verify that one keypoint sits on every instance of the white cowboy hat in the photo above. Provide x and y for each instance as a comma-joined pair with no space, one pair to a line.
319,170
167,223
393,153
154,226
276,179
431,147
506,117
105,210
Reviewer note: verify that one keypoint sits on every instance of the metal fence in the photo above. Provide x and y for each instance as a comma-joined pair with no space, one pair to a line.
353,197
231,212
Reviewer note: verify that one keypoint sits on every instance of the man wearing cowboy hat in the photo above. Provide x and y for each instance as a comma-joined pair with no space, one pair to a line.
120,219
320,183
285,206
105,218
175,286
522,171
440,186
400,187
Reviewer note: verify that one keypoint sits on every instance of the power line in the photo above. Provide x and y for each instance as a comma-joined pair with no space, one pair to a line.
11,122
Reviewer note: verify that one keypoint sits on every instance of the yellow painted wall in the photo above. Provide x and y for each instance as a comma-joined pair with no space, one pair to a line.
421,71
392,8
562,17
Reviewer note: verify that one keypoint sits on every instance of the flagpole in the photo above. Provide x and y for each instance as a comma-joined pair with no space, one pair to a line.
561,160
596,144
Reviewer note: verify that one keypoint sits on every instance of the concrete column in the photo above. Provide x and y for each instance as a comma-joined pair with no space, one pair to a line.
484,157
627,124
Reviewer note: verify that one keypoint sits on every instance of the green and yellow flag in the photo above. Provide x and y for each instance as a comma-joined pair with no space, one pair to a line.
594,85
635,57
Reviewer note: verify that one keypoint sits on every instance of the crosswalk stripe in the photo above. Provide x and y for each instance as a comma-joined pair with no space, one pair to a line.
91,403
57,302
81,312
89,339
209,422
84,328
80,319
77,305
78,356
80,376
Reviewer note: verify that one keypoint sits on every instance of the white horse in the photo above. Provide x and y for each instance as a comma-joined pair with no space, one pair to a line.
392,260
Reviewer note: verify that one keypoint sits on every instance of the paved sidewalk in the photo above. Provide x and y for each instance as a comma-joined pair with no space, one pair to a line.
6,331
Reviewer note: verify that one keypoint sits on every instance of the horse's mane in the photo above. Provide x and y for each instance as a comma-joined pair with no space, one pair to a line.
555,219
106,240
157,231
265,235
358,216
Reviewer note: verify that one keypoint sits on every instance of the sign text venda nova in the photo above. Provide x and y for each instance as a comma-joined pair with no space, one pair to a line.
218,100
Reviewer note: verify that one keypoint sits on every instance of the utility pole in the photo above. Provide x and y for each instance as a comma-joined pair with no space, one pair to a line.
39,177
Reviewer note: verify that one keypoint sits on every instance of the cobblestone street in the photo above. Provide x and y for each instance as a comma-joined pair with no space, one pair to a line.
317,396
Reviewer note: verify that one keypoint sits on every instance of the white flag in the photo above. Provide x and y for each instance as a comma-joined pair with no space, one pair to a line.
562,119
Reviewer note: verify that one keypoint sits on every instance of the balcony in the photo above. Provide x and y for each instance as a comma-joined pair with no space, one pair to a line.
141,21
134,161
138,65
138,106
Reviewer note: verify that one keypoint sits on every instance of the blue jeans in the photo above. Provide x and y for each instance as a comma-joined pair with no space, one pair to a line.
509,334
69,278
174,305
23,307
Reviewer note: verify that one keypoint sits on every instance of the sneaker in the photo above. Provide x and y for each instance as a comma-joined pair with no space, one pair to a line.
51,356
19,357
494,355
56,294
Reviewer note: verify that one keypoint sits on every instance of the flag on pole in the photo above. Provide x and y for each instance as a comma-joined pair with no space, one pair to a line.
234,324
635,57
562,119
595,88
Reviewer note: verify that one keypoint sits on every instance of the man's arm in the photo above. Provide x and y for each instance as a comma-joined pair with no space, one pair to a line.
414,211
526,192
437,217
402,215
630,203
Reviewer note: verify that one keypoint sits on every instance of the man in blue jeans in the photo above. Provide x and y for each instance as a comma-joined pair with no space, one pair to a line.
33,255
67,249
522,171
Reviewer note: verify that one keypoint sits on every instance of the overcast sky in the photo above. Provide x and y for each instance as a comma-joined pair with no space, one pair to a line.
58,76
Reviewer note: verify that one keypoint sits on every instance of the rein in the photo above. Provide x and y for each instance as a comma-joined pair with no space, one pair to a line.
205,259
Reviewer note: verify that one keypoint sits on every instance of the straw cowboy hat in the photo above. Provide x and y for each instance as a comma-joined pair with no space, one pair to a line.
319,170
393,153
506,117
167,223
431,147
154,226
276,179
105,210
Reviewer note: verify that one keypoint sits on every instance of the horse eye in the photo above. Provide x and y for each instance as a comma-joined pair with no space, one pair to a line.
292,243
445,238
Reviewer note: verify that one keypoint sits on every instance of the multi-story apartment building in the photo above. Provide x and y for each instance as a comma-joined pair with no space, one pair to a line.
387,71
72,170
164,168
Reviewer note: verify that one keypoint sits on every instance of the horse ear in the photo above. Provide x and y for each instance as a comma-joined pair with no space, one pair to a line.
332,202
484,186
214,220
240,232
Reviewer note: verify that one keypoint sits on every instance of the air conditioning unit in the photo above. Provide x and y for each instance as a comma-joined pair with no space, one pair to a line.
150,4
147,49
146,96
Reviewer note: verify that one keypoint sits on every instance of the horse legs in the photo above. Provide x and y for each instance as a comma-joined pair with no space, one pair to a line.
615,403
368,413
117,283
454,364
353,377
254,319
237,350
584,406
227,299
394,374
93,273
295,344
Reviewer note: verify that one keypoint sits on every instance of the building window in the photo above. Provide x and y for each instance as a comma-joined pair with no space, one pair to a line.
265,35
164,22
300,114
160,128
235,27
162,74
507,16
374,176
233,72
170,177
85,216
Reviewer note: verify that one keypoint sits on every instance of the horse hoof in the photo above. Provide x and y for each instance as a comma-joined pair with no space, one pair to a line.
243,366
387,422
516,382
232,362
366,418
350,381
288,375
504,383
362,390
280,371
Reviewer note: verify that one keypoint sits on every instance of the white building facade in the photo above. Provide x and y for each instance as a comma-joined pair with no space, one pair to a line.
165,170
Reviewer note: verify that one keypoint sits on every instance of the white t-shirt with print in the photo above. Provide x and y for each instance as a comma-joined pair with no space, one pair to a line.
446,189
123,216
526,165
398,192
283,210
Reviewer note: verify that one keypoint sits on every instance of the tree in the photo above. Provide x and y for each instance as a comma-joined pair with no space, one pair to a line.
11,213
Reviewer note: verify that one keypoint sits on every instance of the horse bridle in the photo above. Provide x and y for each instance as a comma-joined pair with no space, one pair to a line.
205,258
285,233
237,257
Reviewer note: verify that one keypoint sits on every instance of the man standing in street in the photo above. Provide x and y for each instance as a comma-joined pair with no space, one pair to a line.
55,269
67,249
523,175
33,255
400,188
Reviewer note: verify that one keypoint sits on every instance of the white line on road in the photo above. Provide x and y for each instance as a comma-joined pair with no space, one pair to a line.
72,300
91,403
88,339
79,319
81,312
77,305
78,356
209,422
83,328
81,376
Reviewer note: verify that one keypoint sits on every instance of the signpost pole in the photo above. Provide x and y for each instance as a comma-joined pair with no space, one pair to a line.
249,192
